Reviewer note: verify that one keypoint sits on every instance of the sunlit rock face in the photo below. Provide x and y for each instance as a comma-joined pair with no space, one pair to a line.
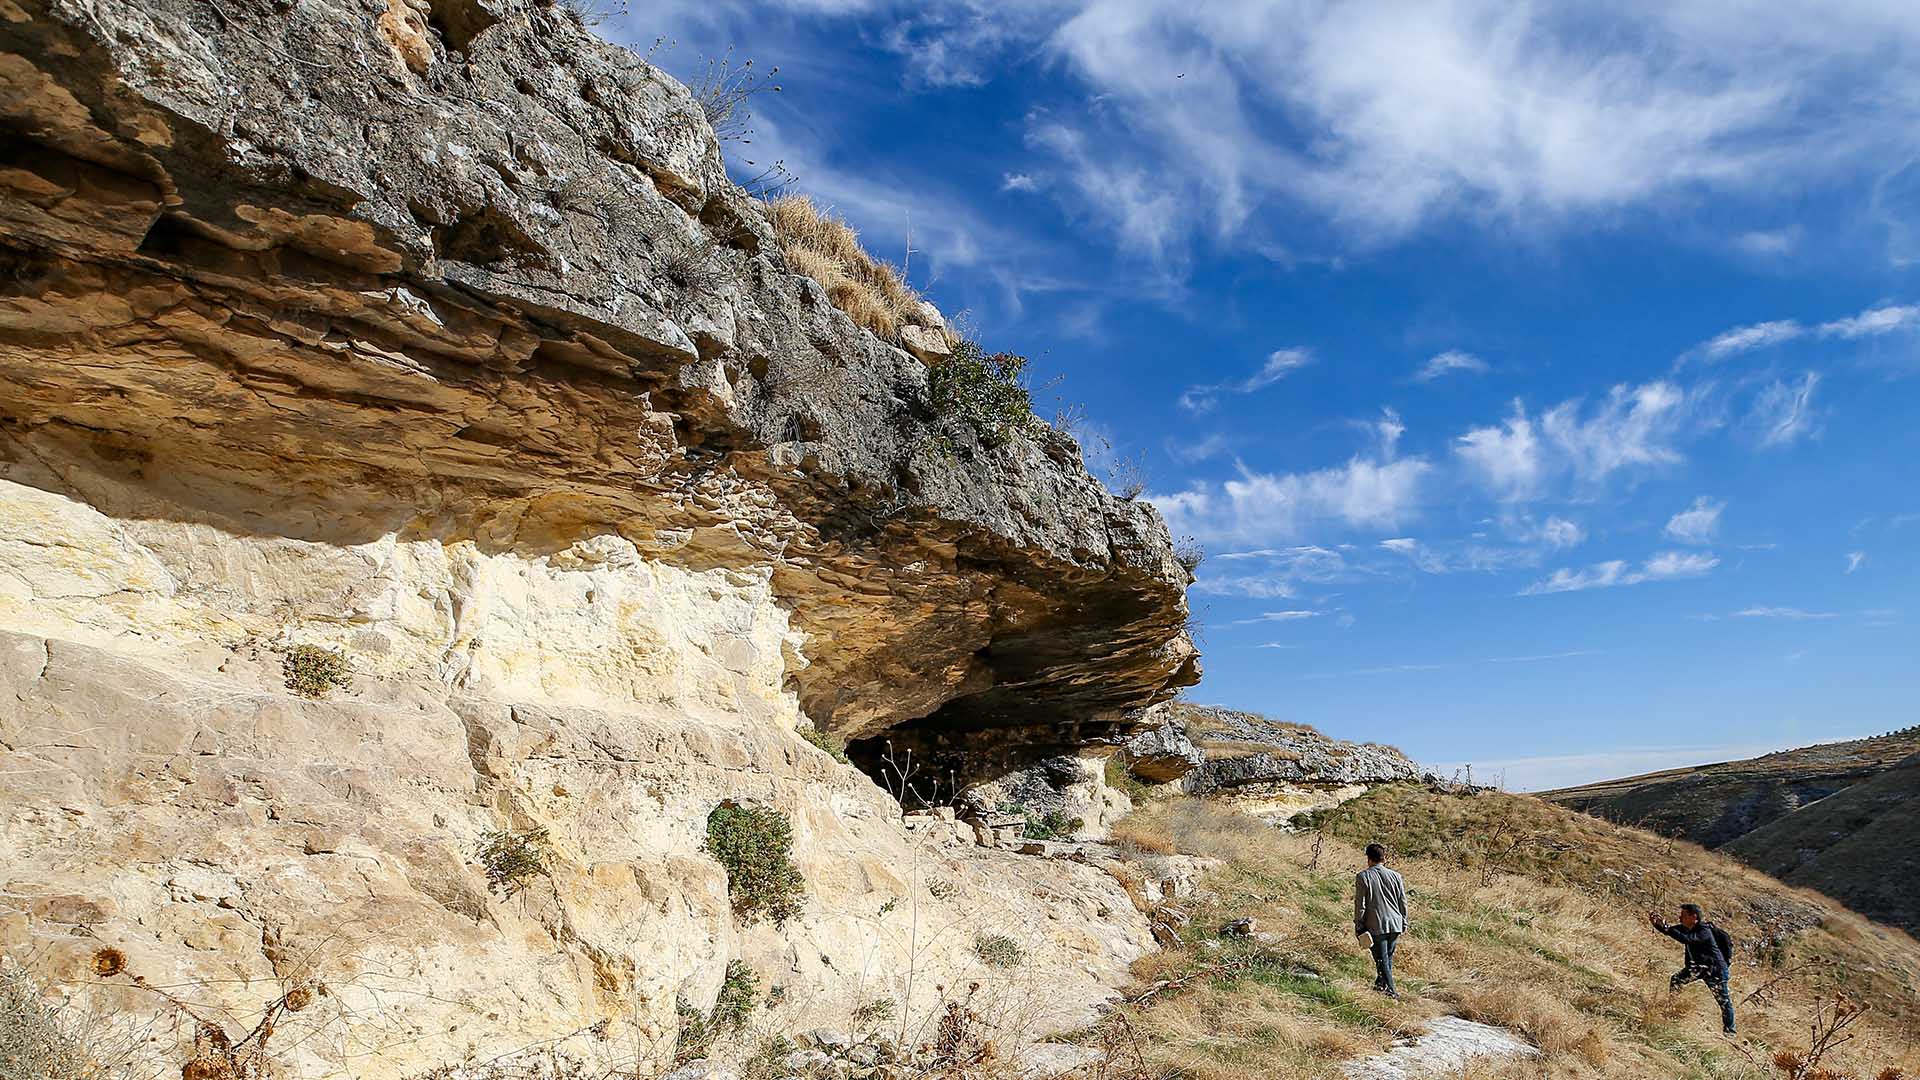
434,335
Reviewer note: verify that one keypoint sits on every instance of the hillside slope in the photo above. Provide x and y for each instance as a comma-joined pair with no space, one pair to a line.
1714,804
1860,846
1526,916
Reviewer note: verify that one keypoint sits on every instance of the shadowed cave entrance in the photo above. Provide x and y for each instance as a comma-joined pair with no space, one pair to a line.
945,758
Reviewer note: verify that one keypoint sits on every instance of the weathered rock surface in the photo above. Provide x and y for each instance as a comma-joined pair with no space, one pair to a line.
435,334
1163,753
1209,750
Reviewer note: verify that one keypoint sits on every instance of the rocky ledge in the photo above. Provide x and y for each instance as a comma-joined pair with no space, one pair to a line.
463,272
1209,750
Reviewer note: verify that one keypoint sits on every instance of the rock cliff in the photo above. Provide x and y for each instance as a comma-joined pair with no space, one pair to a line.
434,335
1273,768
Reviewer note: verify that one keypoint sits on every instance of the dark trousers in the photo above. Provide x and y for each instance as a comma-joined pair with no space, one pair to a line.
1383,945
1716,980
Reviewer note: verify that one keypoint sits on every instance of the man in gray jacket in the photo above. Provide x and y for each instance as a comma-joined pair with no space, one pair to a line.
1380,909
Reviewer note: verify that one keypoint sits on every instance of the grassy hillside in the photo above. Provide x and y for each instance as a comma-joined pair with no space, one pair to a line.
1716,804
1860,846
1526,915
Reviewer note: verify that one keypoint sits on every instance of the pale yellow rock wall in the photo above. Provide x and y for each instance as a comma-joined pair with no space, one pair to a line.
168,797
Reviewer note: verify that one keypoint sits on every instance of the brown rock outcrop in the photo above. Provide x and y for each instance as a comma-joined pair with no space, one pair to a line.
434,334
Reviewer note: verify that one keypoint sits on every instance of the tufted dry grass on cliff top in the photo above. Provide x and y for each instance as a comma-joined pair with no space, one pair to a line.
825,248
1546,937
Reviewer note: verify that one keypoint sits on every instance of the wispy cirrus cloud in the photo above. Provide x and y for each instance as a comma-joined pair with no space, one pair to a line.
1446,363
1873,322
1698,523
1279,364
1856,560
1272,573
1664,566
1277,616
1783,413
1793,613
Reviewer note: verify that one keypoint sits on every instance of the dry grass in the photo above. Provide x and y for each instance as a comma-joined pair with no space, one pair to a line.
1551,943
826,249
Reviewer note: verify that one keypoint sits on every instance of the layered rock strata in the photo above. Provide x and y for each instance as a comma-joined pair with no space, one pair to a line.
434,335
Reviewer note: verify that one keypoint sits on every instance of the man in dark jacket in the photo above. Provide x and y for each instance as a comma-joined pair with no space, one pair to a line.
1707,958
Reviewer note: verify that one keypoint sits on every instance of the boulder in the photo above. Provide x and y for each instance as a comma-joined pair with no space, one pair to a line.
1161,754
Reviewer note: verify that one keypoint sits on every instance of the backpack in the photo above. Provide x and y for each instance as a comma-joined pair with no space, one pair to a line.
1725,941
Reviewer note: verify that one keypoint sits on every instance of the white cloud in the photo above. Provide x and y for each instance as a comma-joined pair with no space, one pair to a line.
1461,558
1018,182
1873,322
1279,364
1697,523
1388,115
1856,560
1273,573
1276,616
1665,566
1365,492
1559,532
1555,532
1783,412
1783,613
1450,361
1508,458
1883,320
1747,338
1634,427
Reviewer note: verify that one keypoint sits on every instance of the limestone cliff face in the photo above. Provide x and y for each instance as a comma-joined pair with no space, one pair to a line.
436,334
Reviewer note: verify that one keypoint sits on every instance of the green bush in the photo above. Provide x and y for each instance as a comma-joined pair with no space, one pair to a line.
983,391
826,740
998,951
1052,825
312,671
732,1008
513,859
755,844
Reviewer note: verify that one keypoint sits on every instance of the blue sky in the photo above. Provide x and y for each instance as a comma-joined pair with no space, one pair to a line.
1540,381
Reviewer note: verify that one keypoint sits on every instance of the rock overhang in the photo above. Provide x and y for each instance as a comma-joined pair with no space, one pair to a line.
326,274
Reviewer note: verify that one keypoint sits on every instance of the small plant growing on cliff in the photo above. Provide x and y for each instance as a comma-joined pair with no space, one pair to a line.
732,1008
833,744
723,90
998,951
755,844
312,671
983,391
1189,552
1052,825
513,859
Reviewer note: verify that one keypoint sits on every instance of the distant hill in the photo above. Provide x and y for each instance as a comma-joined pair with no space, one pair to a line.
1842,817
1860,846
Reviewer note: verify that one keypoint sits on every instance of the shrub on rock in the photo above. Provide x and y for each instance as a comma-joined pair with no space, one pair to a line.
755,845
